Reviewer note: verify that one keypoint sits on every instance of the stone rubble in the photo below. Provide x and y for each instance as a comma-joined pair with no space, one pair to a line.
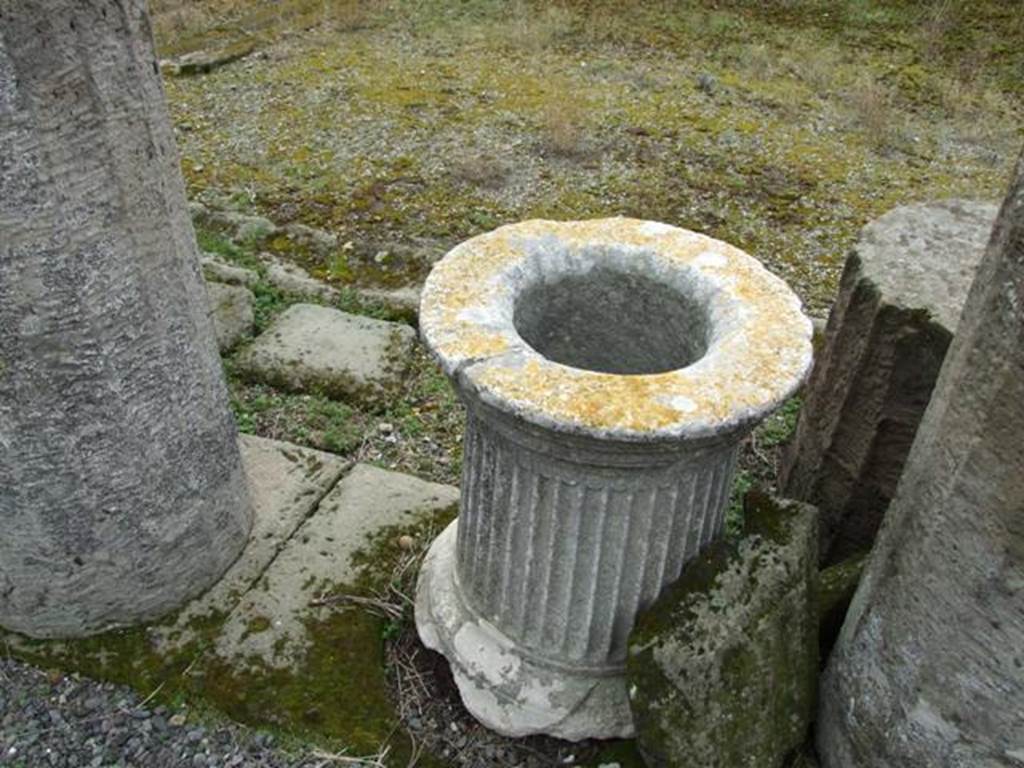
291,278
218,271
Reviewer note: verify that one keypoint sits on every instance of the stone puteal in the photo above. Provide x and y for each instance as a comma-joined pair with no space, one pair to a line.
609,370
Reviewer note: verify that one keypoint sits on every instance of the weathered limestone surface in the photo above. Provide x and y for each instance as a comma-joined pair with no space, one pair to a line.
599,448
928,670
122,492
310,348
897,310
231,309
286,483
268,625
723,667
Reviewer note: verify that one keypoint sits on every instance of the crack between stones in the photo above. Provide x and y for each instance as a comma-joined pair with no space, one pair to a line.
291,534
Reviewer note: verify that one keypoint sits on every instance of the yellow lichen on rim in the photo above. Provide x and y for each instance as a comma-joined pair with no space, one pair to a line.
758,354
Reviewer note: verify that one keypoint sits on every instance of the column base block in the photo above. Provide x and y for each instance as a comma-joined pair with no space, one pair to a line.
502,685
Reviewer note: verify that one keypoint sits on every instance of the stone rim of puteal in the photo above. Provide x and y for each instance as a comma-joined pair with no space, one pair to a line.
756,355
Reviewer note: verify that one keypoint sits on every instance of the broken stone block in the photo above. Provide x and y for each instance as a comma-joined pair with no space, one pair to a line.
313,348
218,271
898,307
404,302
318,240
723,667
231,306
203,62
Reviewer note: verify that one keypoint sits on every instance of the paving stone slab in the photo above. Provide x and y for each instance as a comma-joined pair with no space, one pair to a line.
231,307
268,625
286,482
310,347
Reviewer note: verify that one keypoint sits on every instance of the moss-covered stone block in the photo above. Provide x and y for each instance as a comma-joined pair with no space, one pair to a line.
311,348
723,667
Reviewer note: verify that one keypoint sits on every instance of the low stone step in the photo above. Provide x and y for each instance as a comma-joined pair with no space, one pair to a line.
314,348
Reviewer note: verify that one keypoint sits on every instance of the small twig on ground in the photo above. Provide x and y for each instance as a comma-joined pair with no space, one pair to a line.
378,605
149,698
763,457
340,758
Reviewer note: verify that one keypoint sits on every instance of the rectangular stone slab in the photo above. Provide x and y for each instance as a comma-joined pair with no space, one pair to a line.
286,482
310,347
268,623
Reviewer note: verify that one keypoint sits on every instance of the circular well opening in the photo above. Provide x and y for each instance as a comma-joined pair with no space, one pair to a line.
612,322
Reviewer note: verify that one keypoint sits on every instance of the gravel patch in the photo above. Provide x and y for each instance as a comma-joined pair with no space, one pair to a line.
48,719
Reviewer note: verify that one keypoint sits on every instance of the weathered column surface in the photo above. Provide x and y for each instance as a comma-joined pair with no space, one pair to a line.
609,370
121,487
928,670
899,302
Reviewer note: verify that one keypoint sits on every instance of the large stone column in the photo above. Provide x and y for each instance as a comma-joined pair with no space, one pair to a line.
899,301
609,369
121,487
929,667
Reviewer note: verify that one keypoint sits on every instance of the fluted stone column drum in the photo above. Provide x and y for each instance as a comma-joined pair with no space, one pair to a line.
609,370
